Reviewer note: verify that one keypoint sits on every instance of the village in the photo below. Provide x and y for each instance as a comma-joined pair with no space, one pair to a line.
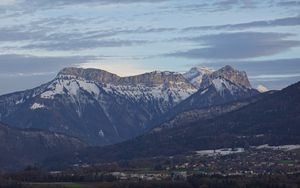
230,162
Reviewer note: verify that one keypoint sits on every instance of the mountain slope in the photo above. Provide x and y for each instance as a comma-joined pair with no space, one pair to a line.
227,72
195,75
94,105
274,120
20,148
219,87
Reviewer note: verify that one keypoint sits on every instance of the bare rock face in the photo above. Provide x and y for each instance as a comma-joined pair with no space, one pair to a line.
90,74
156,78
151,79
235,76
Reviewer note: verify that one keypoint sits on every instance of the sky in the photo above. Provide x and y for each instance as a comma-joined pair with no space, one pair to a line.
129,37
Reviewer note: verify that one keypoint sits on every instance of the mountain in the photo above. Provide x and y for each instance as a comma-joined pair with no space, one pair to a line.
102,108
273,119
219,87
20,148
236,77
196,74
94,105
262,88
198,114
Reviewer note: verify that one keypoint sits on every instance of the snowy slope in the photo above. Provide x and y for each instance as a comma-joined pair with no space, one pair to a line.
96,106
195,75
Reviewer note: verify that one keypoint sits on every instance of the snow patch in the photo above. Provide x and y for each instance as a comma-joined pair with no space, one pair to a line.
20,101
140,92
282,147
37,106
71,87
262,89
101,133
204,91
195,75
223,151
220,84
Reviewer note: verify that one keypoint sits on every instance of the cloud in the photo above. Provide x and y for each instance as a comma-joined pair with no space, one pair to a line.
230,4
274,76
56,3
68,45
13,34
119,31
289,3
238,45
22,65
255,67
7,2
42,37
289,21
20,72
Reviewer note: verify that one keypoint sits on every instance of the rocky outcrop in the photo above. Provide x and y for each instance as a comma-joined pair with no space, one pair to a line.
237,77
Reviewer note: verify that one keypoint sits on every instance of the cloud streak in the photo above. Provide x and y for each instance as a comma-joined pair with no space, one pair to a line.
75,45
58,3
289,21
239,45
28,64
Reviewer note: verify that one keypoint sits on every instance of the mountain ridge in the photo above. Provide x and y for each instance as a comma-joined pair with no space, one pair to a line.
95,105
103,108
273,119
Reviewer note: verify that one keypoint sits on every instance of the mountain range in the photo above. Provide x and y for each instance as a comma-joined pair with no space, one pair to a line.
104,116
272,118
94,105
102,108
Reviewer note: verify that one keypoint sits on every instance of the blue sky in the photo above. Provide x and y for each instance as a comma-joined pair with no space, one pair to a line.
128,37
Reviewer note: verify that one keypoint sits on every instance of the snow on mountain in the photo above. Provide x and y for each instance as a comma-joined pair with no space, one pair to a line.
228,73
218,87
195,75
70,86
160,86
262,89
102,108
95,105
37,106
221,85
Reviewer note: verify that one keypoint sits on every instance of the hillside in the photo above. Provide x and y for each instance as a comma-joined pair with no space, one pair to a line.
273,120
20,148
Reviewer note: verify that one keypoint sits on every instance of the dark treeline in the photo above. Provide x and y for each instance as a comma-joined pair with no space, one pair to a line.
34,178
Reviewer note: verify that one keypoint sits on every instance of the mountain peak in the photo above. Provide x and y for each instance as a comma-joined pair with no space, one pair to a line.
227,68
195,75
262,88
89,74
235,76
